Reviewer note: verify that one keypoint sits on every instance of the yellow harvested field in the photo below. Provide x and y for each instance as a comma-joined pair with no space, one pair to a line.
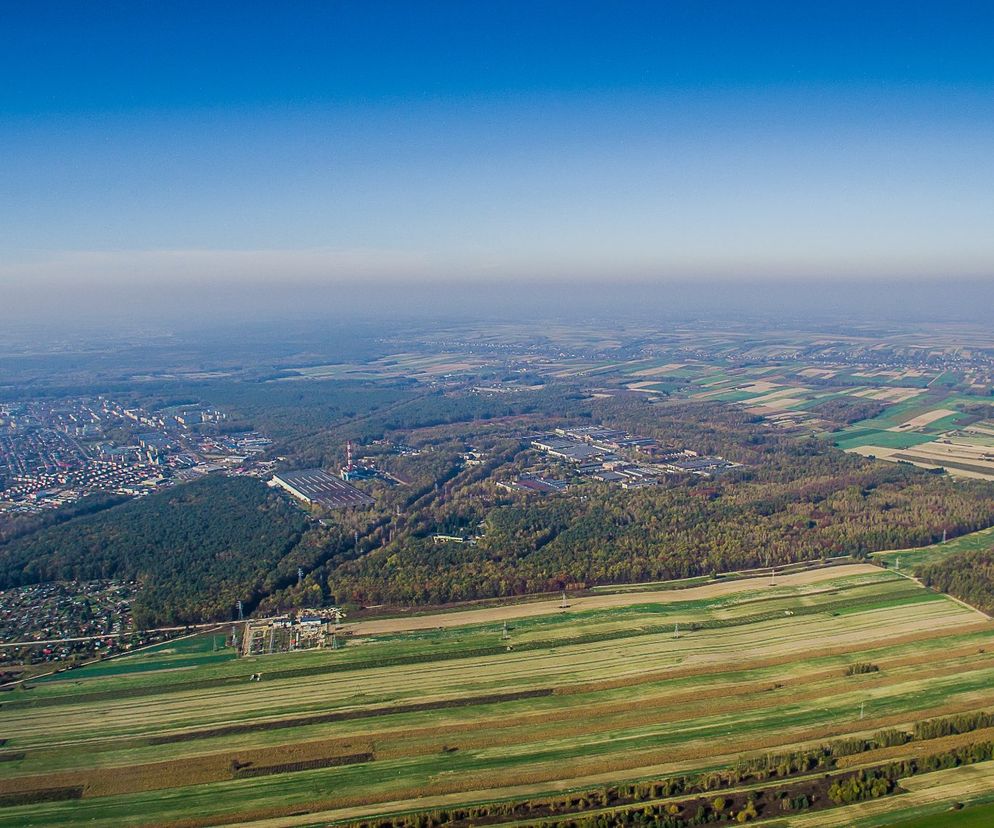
959,448
889,394
902,394
659,371
981,458
705,395
886,453
894,375
597,602
938,455
775,395
923,419
775,406
759,386
980,429
767,390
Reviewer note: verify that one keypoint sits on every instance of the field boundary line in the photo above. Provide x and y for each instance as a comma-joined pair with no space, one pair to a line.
952,598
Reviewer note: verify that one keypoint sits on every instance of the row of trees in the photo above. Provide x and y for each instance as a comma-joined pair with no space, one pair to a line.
629,806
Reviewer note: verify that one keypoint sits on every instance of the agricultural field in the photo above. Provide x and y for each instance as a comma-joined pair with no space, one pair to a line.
976,816
626,688
934,431
910,559
179,654
794,395
958,456
418,366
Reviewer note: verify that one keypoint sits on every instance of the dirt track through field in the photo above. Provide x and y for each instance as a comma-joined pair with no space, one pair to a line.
598,602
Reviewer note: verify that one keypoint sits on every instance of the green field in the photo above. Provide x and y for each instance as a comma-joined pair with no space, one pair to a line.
901,412
874,431
197,651
884,439
911,559
431,718
979,816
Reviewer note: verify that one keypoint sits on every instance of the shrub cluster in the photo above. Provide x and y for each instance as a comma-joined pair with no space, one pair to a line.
867,784
861,667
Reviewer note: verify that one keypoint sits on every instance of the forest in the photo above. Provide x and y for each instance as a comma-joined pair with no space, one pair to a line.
198,548
795,499
968,576
195,549
537,544
18,525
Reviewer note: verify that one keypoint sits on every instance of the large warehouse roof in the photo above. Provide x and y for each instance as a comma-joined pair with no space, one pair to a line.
317,486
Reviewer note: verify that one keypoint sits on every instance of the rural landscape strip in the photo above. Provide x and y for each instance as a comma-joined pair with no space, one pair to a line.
731,691
677,715
400,660
501,723
348,715
792,771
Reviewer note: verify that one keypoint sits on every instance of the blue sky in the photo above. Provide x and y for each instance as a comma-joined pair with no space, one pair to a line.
166,143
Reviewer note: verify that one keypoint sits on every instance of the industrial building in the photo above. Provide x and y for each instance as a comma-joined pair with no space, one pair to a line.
543,485
316,486
614,456
565,449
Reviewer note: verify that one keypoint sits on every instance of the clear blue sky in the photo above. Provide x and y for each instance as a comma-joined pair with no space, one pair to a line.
165,142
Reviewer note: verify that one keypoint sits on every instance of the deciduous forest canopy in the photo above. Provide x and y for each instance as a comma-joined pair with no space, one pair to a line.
195,549
198,548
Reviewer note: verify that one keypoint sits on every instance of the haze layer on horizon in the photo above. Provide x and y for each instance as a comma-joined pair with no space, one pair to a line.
170,153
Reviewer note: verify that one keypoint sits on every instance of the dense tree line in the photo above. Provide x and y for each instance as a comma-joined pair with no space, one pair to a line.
866,784
19,525
195,549
843,411
967,575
